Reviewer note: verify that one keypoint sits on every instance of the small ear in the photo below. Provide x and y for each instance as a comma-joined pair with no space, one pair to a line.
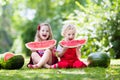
38,27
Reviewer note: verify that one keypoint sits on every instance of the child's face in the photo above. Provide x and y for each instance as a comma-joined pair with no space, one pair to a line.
44,32
70,35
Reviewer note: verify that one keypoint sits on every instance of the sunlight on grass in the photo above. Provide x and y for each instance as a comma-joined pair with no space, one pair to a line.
115,62
77,71
89,73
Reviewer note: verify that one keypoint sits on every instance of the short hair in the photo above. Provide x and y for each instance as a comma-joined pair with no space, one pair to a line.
67,27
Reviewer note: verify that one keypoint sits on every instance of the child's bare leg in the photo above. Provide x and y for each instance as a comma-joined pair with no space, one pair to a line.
44,58
42,61
35,57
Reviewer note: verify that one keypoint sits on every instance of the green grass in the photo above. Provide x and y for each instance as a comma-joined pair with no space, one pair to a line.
89,73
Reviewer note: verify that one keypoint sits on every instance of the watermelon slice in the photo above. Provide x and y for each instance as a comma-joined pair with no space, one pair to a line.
40,45
8,55
72,43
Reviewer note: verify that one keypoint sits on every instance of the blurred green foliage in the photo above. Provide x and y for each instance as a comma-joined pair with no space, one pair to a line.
96,20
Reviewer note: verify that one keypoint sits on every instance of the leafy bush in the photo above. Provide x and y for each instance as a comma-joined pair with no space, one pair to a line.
99,22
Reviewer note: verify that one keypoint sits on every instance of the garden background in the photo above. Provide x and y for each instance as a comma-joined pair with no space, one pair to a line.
96,20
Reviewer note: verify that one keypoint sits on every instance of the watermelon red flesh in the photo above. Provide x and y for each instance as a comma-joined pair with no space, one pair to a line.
40,45
73,43
8,55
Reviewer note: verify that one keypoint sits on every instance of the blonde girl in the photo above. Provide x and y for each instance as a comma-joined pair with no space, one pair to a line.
69,57
43,58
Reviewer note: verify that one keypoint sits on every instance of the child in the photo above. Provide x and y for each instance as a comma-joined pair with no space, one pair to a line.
69,57
41,58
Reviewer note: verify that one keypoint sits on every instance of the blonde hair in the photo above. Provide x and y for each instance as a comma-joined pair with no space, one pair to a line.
67,27
37,36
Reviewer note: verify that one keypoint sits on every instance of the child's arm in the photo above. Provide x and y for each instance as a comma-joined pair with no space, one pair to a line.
61,53
61,50
78,52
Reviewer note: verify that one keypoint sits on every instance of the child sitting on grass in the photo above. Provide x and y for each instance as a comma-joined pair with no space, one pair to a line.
69,57
42,58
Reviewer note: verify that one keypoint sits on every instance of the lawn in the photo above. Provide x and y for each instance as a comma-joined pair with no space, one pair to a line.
89,73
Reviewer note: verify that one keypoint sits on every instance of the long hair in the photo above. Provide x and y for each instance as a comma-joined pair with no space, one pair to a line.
37,36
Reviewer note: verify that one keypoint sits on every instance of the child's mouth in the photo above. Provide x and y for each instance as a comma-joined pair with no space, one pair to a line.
44,35
70,39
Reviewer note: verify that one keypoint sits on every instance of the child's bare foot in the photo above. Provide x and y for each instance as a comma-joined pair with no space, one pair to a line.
54,66
47,66
35,66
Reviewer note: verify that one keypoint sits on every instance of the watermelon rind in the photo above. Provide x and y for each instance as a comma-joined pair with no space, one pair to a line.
16,62
98,59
